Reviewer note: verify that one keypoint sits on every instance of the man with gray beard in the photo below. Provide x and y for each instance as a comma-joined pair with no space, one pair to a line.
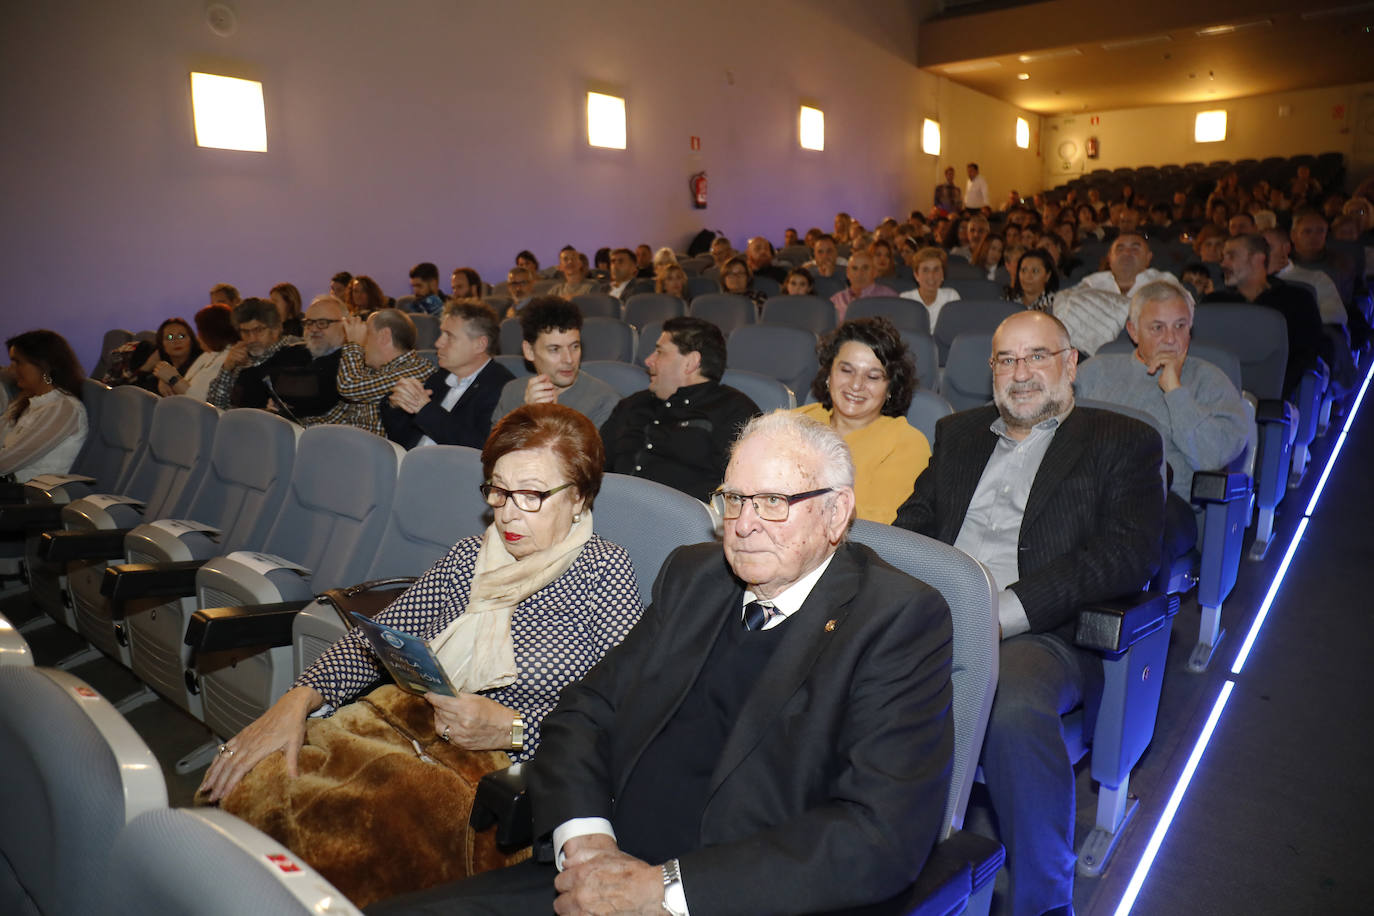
312,389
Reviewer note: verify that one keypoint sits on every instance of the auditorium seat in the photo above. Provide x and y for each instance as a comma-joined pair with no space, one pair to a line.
607,338
829,286
642,308
810,313
700,286
967,380
597,305
113,338
14,649
625,378
650,520
649,333
725,310
515,362
426,330
75,772
979,287
511,337
325,536
925,411
786,354
969,315
926,356
764,390
906,314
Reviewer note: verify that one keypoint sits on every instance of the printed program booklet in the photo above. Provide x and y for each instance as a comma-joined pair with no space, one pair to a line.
409,658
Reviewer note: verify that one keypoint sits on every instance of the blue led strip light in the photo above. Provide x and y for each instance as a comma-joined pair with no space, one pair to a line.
1166,820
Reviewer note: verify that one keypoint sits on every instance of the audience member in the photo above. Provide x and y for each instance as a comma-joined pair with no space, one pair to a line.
988,255
1036,281
216,334
1280,265
520,287
678,431
453,406
465,283
180,357
624,280
312,389
862,390
648,260
1128,267
975,230
1090,532
573,266
365,297
759,255
976,191
930,291
860,272
1197,277
736,279
824,264
379,351
721,251
799,282
856,777
672,281
1310,250
552,345
224,294
527,260
261,347
424,284
339,284
44,427
287,299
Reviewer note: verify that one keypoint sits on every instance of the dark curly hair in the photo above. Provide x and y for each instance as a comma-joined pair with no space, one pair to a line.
882,337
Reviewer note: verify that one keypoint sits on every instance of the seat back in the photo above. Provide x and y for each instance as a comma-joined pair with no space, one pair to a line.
701,286
625,378
1257,334
247,477
786,354
93,398
648,339
1224,359
74,773
968,377
436,504
515,362
767,392
650,521
607,338
125,418
337,504
113,338
926,356
925,411
969,315
597,305
906,314
725,310
642,308
206,861
172,465
971,594
810,313
511,337
426,330
976,287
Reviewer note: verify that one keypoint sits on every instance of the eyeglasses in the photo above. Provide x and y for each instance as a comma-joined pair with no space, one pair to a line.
525,500
171,337
1003,365
771,507
320,324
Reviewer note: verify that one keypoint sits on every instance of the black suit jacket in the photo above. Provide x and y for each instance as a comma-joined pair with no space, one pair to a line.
468,423
1094,520
831,786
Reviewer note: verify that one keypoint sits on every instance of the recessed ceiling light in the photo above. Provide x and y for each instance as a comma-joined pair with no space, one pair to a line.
972,66
1229,29
1048,55
1023,76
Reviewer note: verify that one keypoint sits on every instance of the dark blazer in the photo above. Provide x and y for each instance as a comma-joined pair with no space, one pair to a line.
831,786
1094,521
468,423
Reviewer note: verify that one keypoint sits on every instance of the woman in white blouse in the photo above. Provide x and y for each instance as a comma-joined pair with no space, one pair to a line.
45,426
929,266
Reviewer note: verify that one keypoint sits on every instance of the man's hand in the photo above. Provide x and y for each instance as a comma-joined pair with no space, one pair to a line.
355,329
237,357
1166,368
410,395
610,882
541,390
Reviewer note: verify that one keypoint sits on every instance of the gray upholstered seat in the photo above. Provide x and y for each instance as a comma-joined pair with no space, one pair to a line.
810,313
642,308
965,315
625,378
786,354
597,305
925,411
607,338
906,314
968,377
650,521
764,390
725,310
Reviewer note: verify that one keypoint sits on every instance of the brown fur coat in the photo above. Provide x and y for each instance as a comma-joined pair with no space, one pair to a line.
367,812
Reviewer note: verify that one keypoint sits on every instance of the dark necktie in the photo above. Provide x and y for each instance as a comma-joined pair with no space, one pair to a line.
757,613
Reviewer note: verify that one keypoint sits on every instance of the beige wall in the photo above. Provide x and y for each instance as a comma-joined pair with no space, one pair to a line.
978,128
1283,124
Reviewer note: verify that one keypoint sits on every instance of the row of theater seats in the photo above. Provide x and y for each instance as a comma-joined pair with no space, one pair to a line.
1153,181
216,532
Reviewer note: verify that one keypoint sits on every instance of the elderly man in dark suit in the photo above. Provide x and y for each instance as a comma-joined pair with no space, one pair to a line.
1065,505
453,406
774,735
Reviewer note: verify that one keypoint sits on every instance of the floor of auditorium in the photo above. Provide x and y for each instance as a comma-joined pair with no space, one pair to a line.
1277,809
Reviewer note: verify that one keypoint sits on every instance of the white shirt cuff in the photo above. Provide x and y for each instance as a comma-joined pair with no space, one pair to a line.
578,826
1011,614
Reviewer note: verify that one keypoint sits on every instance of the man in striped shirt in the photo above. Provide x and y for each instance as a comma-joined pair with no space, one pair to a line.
380,351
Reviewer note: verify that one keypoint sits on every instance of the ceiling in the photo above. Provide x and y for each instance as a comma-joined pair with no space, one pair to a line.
1106,54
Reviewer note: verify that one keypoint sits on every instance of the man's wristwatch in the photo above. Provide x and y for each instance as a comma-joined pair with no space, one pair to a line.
517,733
674,897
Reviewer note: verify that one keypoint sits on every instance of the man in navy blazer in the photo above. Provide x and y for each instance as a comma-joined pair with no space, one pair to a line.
772,737
453,406
1065,505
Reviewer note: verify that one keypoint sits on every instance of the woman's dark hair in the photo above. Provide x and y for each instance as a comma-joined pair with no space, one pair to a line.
882,337
528,256
292,296
371,292
748,274
804,274
162,344
215,325
602,259
1051,272
53,356
572,437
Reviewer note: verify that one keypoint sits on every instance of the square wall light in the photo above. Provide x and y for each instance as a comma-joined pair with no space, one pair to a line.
1210,126
1022,133
812,128
228,112
930,137
605,120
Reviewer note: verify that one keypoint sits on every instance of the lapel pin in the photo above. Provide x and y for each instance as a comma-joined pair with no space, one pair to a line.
830,626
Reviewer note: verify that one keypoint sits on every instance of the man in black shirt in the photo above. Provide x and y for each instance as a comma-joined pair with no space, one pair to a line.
678,431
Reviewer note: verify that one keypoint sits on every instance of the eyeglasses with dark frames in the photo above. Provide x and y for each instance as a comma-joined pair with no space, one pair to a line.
525,500
320,324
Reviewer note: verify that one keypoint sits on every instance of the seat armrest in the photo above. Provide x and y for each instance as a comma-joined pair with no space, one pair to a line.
502,799
150,580
1112,627
1273,410
25,517
221,629
66,546
1220,486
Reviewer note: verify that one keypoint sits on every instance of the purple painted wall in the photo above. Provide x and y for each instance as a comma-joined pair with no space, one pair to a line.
424,130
